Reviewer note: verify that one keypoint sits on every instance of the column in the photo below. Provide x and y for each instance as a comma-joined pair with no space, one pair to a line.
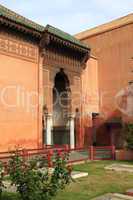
72,135
49,129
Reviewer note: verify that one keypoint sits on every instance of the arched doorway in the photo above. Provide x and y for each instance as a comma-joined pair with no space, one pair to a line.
61,108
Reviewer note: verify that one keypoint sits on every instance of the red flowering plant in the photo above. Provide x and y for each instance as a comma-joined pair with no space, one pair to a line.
34,180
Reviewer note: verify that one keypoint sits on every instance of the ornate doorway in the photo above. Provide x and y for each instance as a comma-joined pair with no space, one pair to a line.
61,108
61,49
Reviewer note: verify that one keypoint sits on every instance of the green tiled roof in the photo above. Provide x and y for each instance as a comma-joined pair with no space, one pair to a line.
9,14
64,35
12,16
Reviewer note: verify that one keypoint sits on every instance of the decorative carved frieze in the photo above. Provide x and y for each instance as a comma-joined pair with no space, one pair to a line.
18,48
55,59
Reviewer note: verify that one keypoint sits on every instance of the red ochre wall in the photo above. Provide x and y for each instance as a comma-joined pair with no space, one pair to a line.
19,124
114,49
90,98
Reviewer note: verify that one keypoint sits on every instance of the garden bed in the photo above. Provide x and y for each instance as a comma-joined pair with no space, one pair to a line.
98,182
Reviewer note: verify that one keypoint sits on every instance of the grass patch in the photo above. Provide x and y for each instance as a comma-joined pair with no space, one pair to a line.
98,182
10,196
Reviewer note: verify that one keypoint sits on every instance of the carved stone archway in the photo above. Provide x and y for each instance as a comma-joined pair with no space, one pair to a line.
61,108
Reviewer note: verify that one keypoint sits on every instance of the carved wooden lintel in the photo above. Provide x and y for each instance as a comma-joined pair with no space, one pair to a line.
62,61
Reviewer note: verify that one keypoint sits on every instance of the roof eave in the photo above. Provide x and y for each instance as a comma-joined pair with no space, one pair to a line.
79,44
20,27
47,37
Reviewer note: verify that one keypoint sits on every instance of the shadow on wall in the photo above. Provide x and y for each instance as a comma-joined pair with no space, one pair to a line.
106,132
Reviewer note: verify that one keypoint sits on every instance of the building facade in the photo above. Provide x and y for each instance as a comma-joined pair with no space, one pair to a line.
112,44
42,73
51,85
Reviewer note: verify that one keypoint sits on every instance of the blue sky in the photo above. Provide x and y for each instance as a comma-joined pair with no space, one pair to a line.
71,16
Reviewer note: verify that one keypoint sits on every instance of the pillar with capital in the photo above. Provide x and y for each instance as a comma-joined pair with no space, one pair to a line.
76,108
48,105
49,125
72,132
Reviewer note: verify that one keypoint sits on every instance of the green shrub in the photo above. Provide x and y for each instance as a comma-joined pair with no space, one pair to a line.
129,135
35,183
1,178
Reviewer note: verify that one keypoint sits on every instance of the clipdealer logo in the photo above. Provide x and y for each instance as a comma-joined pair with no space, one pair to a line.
124,100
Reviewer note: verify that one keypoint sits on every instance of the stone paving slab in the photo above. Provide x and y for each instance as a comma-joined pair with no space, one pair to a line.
114,197
120,168
77,174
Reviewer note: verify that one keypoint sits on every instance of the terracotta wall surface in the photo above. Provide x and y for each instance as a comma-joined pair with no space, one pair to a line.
114,50
18,103
90,92
90,97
